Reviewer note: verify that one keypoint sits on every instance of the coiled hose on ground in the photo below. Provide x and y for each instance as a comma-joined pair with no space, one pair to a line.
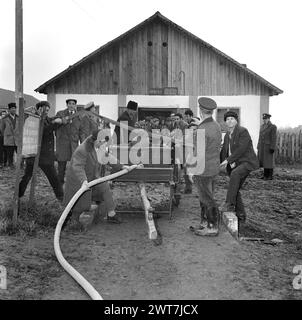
68,268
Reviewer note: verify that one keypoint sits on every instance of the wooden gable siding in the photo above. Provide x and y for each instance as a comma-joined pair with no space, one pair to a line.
130,66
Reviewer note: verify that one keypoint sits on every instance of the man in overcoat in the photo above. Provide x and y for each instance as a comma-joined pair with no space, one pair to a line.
3,154
68,135
239,159
47,155
85,167
10,132
90,122
267,146
129,116
205,181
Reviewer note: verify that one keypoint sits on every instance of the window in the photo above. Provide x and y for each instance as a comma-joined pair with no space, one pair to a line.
220,116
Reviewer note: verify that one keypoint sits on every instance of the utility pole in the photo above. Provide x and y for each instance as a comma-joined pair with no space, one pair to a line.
19,101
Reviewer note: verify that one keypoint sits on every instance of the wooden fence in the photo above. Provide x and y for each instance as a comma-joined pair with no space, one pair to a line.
289,147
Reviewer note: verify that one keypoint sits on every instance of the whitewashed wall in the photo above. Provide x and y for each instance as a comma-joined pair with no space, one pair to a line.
250,106
108,103
249,112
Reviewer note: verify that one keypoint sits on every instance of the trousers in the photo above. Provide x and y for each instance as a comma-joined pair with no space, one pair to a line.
50,172
237,176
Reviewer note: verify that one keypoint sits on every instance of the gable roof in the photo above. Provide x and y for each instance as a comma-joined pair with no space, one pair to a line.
159,16
7,96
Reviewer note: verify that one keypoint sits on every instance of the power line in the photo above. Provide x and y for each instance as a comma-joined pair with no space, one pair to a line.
84,10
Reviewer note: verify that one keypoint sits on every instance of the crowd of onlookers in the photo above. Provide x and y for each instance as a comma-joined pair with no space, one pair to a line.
78,138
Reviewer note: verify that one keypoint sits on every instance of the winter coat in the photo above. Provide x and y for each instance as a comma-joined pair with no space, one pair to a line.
10,130
89,124
47,152
84,165
212,147
266,143
241,149
125,116
68,136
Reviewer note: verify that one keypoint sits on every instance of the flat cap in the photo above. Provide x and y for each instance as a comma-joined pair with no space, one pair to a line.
89,105
266,116
75,101
207,103
42,104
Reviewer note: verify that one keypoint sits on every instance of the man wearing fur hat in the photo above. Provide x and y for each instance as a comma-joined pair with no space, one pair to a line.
129,116
267,146
238,158
9,129
68,135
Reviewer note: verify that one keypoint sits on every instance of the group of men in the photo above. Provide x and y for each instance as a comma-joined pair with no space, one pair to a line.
236,157
79,138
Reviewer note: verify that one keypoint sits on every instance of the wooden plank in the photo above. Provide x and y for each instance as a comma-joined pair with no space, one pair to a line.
148,212
148,175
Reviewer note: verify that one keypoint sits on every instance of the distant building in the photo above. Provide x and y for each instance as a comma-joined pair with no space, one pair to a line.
164,68
7,96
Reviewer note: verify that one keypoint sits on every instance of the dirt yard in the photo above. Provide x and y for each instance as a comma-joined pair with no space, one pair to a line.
122,263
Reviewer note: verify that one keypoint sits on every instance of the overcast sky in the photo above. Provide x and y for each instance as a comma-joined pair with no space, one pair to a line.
264,34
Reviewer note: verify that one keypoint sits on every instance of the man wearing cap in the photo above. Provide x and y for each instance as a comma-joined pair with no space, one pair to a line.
238,158
68,135
3,154
129,116
90,122
205,181
267,146
9,129
47,154
85,166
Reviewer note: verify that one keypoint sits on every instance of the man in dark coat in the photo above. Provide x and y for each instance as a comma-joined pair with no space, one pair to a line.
47,155
68,135
239,159
9,129
205,181
90,123
267,146
85,167
3,154
129,116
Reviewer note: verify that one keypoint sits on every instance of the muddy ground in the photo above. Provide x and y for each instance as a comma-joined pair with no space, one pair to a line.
122,263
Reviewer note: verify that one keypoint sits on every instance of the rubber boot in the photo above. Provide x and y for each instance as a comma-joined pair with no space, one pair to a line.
203,216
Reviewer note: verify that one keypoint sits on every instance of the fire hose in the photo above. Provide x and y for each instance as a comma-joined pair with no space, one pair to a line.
68,268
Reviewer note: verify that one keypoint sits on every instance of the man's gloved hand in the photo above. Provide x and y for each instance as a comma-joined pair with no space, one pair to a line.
271,150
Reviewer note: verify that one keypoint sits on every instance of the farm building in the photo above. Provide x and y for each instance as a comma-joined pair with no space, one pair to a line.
164,68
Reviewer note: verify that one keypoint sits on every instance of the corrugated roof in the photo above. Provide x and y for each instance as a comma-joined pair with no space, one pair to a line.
158,15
